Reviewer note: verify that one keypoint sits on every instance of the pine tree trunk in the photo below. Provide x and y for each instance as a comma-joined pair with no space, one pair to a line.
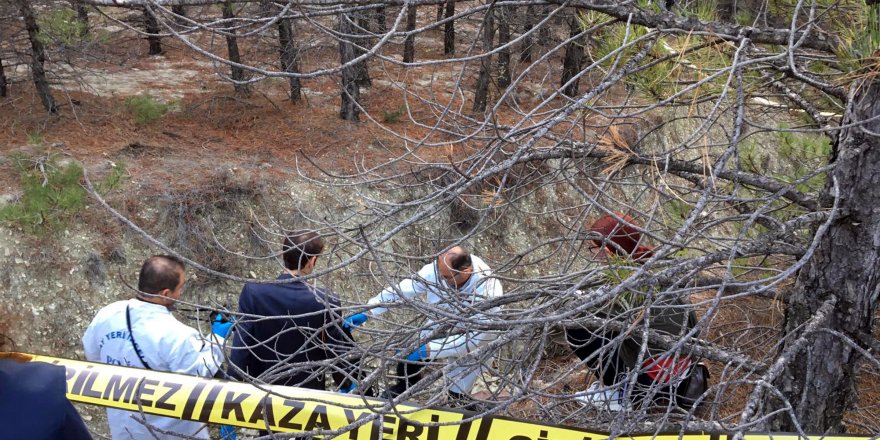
350,92
726,10
363,73
152,28
481,94
181,11
379,17
237,73
409,43
4,91
544,36
504,16
525,52
819,380
449,29
289,56
82,17
38,56
574,56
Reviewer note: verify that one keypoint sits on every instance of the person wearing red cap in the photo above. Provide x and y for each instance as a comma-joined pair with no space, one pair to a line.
611,357
620,237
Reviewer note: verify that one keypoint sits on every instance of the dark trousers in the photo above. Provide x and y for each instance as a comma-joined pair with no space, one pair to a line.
605,361
408,374
599,356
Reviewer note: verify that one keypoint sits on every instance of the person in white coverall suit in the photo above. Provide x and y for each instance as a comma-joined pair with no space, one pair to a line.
142,333
453,283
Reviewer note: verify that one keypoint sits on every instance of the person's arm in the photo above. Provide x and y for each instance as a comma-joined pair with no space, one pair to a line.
339,346
90,345
73,427
459,344
338,343
240,356
186,351
408,288
47,384
489,287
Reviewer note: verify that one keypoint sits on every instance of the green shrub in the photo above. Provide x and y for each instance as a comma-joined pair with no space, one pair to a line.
35,138
146,108
61,26
703,10
657,80
803,153
51,194
676,210
113,180
859,34
393,116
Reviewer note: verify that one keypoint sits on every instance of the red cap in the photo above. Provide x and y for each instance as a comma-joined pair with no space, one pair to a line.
625,236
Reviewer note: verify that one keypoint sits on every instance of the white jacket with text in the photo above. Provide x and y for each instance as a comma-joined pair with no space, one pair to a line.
166,344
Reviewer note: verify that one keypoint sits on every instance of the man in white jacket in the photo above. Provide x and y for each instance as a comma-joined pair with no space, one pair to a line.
142,333
453,284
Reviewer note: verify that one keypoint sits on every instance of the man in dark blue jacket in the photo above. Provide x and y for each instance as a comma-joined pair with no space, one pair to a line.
33,404
296,336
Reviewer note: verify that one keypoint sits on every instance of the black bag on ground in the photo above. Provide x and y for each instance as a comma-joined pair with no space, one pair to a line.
692,387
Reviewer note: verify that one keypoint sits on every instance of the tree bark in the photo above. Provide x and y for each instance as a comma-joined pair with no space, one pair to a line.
449,29
3,83
525,51
726,10
237,73
544,36
289,57
82,17
38,56
363,73
574,56
504,16
379,17
409,42
350,92
181,11
152,28
819,380
481,94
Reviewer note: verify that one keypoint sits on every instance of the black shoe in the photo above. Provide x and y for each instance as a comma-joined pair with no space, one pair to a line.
466,402
393,391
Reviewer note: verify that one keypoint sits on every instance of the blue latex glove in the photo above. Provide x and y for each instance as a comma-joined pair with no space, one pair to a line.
227,432
349,388
420,354
355,320
220,326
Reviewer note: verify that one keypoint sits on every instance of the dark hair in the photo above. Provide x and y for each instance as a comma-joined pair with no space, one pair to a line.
160,272
460,261
298,247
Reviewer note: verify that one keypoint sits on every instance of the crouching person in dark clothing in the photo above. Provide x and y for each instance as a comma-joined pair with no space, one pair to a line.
612,356
291,334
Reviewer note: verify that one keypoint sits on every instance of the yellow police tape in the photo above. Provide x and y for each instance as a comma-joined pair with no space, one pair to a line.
290,409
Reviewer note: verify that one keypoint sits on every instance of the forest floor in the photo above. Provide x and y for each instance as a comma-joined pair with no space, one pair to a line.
209,130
